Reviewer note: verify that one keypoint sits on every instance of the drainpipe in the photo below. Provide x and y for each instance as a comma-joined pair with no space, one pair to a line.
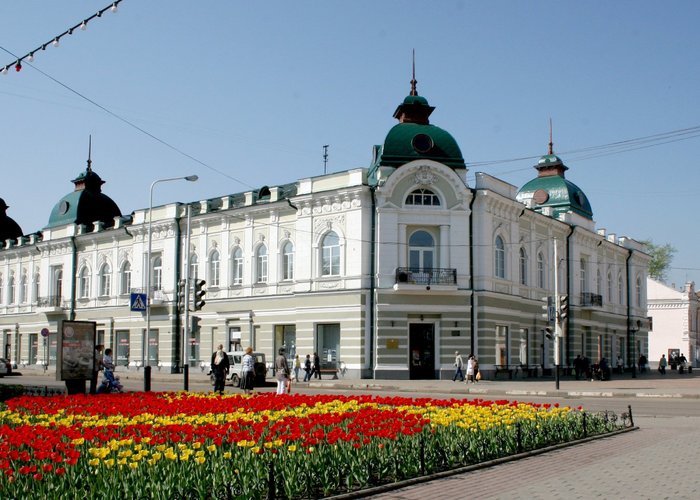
178,273
372,281
73,279
630,340
472,299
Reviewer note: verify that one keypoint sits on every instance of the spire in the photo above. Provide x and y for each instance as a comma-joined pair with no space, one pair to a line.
89,160
550,164
413,80
551,144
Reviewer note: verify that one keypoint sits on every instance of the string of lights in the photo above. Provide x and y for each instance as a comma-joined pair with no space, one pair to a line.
56,41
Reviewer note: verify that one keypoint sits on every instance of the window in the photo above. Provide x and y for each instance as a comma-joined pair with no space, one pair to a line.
84,283
37,281
261,264
424,197
598,283
2,288
288,261
620,290
584,285
500,258
421,251
330,265
58,283
105,280
194,266
237,267
523,267
540,270
639,292
328,344
11,289
610,287
23,289
126,278
157,273
214,268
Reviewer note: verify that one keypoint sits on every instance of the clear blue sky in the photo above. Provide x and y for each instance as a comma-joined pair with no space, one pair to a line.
251,91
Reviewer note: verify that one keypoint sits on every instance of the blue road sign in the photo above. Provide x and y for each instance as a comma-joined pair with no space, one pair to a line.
138,301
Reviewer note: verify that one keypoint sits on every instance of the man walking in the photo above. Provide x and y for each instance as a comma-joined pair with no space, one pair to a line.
459,364
219,367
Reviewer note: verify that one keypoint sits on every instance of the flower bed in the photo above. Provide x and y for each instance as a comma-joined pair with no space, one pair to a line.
188,445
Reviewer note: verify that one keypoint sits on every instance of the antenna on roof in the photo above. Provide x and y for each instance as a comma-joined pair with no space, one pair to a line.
89,160
325,158
413,80
551,144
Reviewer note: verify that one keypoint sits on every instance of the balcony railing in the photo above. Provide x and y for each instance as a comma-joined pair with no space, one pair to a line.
426,276
591,300
51,301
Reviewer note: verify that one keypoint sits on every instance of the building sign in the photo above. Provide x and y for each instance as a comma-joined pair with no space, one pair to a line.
77,349
392,343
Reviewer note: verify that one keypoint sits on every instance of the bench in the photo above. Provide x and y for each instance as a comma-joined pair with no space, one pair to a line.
504,369
329,371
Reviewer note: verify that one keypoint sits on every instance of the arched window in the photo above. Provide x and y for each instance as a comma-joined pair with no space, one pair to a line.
35,285
214,268
157,273
540,270
523,266
423,197
23,289
2,289
421,251
330,259
237,267
620,290
105,280
261,264
500,258
58,284
125,278
84,283
598,283
11,289
288,261
639,292
584,277
611,297
194,266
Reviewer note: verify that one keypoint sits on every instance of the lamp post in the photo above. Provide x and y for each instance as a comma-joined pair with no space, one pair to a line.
145,361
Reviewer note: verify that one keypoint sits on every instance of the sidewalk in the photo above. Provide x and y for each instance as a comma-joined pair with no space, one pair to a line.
647,385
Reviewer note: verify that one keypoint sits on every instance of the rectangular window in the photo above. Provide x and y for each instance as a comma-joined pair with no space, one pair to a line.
328,344
331,261
262,268
122,348
33,348
286,336
238,270
153,347
234,338
502,357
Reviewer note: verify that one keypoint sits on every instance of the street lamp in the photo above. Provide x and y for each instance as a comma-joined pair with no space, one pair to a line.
144,357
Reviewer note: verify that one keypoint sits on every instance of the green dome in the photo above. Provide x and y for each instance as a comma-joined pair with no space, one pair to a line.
416,99
556,192
406,142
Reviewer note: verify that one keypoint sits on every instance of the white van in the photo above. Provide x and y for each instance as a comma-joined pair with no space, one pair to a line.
234,373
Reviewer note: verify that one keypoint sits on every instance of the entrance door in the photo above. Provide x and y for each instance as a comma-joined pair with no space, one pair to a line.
421,346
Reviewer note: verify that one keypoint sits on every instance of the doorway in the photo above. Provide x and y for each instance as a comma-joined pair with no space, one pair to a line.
421,346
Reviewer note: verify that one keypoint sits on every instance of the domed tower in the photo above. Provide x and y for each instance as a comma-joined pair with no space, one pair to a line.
87,204
551,189
9,229
415,138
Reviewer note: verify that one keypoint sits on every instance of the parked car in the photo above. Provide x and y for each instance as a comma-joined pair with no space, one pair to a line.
5,367
234,374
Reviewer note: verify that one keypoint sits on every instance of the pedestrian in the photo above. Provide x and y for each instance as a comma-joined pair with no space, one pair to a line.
297,367
662,364
307,368
604,369
477,374
682,364
282,372
578,365
317,366
470,369
642,363
620,365
247,371
459,364
219,367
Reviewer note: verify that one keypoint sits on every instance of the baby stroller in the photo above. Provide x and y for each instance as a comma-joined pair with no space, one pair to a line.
110,384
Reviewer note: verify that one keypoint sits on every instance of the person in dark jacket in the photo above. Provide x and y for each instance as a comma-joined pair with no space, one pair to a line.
317,366
219,367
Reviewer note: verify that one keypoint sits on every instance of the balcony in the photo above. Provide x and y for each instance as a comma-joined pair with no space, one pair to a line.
591,300
51,303
425,277
158,296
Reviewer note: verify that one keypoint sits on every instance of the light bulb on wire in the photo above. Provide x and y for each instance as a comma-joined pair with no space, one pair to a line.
55,42
30,57
4,70
113,8
83,26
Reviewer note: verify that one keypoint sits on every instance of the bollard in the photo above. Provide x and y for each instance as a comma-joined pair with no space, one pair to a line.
186,375
147,378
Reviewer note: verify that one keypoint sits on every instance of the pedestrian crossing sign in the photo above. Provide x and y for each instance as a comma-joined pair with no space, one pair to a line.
138,301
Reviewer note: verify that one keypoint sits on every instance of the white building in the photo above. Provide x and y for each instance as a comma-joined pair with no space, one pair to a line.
389,269
674,318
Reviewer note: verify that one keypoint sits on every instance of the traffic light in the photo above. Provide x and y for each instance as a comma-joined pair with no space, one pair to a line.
195,325
181,295
548,309
549,332
563,307
199,293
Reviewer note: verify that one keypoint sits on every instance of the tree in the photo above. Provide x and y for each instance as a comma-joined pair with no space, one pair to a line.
661,257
